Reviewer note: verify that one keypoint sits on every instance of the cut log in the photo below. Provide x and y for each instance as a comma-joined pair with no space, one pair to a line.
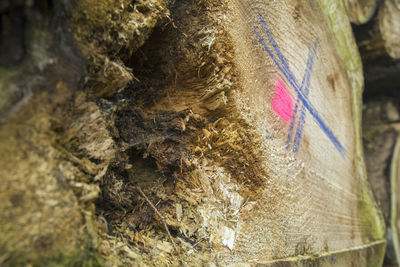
360,11
235,141
380,134
389,25
380,37
264,76
271,66
379,44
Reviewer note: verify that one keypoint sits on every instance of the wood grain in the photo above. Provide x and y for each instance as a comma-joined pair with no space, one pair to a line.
314,200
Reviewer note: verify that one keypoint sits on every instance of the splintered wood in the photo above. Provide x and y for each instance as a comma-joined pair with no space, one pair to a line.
293,94
276,172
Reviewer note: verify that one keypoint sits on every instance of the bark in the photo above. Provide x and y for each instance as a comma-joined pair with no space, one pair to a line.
197,132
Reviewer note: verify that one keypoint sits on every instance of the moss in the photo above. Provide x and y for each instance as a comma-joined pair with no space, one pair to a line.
89,259
9,93
394,217
370,216
40,41
81,259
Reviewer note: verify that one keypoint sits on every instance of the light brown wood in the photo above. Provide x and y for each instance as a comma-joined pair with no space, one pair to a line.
378,42
389,24
360,11
380,38
276,205
321,188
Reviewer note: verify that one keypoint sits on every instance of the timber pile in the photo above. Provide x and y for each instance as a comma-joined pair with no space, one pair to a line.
379,44
184,133
379,41
360,11
380,130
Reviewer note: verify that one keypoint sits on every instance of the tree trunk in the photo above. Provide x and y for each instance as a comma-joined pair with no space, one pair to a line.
201,133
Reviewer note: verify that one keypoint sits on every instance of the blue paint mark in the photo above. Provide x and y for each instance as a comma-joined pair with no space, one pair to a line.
293,82
275,45
306,77
300,126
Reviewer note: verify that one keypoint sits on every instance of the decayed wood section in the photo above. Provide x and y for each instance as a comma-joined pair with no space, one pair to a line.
226,133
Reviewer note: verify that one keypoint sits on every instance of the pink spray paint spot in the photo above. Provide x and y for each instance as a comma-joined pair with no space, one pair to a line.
282,102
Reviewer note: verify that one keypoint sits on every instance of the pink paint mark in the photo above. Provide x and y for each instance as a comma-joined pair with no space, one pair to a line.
282,102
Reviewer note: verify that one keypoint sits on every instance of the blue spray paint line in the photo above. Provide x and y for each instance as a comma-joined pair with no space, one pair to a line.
287,71
306,77
300,125
274,44
293,82
289,137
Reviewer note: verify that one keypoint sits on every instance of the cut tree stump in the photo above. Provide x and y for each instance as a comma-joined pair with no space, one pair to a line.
239,121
